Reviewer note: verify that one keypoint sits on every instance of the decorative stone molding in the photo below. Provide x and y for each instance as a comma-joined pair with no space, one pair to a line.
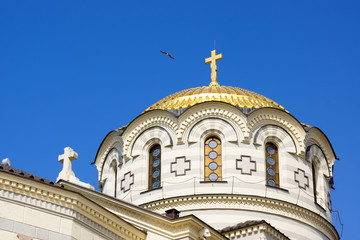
317,137
205,125
267,131
197,113
113,157
113,141
204,234
255,229
156,120
248,203
55,197
277,117
187,226
314,153
30,232
151,133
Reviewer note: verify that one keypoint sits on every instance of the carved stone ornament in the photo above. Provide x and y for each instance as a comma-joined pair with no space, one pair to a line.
67,173
204,234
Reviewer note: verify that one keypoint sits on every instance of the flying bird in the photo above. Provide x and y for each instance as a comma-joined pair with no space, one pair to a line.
167,54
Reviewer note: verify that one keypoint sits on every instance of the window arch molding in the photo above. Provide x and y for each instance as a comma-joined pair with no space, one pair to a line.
276,134
113,154
109,172
316,157
314,150
151,136
217,126
207,111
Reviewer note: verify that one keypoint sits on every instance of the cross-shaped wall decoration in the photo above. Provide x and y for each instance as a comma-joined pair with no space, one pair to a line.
301,178
180,166
246,165
127,181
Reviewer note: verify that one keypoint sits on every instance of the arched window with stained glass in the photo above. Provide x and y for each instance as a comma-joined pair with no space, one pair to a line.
272,165
213,163
314,178
155,167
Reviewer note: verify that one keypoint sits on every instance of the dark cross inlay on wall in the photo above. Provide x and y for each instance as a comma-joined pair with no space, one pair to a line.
180,166
301,178
246,165
127,181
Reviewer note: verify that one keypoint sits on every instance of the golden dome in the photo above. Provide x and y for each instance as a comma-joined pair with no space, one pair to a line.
232,95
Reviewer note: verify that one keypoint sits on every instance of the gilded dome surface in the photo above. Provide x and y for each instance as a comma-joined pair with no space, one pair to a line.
233,95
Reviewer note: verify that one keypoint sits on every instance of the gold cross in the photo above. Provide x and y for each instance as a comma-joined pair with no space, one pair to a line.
213,66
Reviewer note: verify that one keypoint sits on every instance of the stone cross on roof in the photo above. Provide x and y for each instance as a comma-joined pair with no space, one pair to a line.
6,161
67,173
66,159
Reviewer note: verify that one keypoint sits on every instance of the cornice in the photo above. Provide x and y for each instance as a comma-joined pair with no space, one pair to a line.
244,202
187,226
70,200
250,230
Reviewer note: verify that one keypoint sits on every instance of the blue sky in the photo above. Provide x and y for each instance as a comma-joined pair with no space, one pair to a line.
70,72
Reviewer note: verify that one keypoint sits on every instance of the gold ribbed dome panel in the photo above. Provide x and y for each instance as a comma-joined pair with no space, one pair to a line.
232,95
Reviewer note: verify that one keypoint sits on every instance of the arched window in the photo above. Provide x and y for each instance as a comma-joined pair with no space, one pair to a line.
212,160
272,165
113,177
314,178
154,167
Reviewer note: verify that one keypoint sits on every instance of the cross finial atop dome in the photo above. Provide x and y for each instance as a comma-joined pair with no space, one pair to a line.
213,66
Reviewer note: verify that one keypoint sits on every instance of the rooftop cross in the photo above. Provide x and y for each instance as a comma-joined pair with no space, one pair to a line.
66,159
213,66
67,173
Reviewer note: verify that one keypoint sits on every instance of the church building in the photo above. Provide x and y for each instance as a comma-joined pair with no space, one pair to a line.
206,163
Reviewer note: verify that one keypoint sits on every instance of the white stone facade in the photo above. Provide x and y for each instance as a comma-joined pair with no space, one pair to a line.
123,165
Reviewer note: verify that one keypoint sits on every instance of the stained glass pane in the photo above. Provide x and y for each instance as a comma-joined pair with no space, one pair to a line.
154,167
270,161
213,166
212,152
213,177
272,166
213,144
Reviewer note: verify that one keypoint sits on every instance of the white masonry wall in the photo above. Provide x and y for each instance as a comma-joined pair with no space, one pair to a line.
243,141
